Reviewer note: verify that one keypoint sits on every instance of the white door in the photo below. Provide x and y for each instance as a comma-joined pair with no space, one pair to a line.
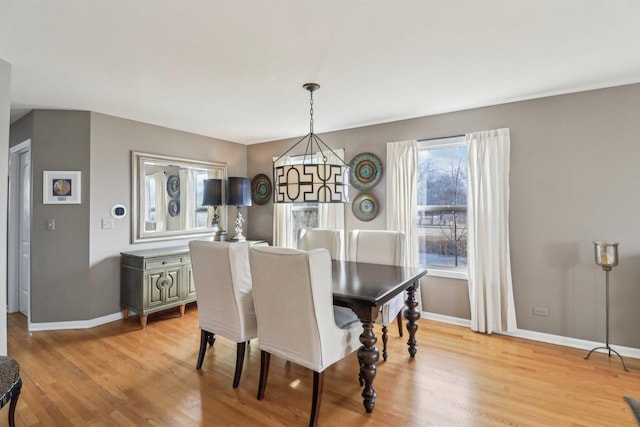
24,268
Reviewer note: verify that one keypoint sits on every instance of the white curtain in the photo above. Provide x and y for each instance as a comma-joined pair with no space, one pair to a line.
282,221
402,198
331,215
161,201
489,261
187,199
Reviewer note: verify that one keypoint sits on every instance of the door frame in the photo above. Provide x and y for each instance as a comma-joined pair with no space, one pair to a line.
13,231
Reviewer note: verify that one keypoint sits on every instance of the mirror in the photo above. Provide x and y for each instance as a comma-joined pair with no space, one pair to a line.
167,195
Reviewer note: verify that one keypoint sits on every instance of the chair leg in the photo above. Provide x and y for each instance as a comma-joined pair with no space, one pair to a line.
242,346
318,383
265,358
385,338
206,337
14,401
399,318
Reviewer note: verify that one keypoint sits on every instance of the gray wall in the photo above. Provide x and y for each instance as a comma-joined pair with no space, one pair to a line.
59,258
5,92
75,271
574,177
112,140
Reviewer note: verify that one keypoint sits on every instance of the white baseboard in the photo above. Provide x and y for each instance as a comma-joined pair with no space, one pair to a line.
520,333
76,324
540,336
446,319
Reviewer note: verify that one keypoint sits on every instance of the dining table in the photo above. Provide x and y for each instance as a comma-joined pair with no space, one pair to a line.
364,288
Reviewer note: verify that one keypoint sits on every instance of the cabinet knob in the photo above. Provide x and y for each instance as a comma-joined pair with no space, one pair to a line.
164,282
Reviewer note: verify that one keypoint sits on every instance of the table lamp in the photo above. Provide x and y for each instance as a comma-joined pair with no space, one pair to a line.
213,197
606,256
239,195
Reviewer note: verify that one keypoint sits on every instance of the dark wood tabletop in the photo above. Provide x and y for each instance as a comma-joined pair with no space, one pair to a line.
370,284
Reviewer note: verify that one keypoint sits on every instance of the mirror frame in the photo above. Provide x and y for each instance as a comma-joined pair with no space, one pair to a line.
138,233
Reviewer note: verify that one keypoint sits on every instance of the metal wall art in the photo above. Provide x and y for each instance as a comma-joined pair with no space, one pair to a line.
365,207
366,171
173,186
261,189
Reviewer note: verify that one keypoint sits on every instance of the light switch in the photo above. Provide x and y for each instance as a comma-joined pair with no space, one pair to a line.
50,224
107,223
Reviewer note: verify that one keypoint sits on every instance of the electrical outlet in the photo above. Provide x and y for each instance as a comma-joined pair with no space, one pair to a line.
107,223
50,225
540,311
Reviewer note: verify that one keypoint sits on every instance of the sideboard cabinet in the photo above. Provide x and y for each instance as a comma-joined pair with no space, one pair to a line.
154,280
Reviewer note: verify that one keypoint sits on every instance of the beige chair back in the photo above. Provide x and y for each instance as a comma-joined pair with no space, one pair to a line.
377,246
331,239
222,280
294,307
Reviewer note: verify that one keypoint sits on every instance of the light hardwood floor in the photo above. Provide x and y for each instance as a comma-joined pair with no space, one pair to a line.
118,374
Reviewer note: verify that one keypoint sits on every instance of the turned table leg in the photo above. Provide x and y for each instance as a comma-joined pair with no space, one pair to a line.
182,307
143,321
412,315
368,357
125,313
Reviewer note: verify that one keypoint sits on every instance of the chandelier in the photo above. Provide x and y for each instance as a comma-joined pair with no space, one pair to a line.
317,179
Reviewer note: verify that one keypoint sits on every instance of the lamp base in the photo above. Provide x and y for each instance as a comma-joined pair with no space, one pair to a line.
238,238
610,350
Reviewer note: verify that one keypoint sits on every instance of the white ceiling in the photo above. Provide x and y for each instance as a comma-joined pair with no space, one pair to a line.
234,69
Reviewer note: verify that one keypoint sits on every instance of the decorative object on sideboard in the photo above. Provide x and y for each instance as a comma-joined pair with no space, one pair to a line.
316,179
239,195
366,171
61,187
212,196
606,256
261,189
365,207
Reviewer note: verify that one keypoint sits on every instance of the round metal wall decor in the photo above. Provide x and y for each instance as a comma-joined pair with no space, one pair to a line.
366,171
174,207
261,189
365,207
173,186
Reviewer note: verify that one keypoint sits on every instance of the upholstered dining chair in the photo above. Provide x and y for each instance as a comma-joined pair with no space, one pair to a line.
296,319
10,385
222,281
381,247
331,239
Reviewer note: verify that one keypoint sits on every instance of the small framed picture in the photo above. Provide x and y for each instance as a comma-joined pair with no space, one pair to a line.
61,187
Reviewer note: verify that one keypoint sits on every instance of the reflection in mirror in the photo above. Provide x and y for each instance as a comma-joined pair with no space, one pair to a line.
167,197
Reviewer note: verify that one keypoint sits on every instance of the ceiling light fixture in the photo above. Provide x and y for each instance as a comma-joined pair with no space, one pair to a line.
315,179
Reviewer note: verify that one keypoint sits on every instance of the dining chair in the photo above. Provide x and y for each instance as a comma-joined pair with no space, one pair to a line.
223,287
296,320
381,247
331,239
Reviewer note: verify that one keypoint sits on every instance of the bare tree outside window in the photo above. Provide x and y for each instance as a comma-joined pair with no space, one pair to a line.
442,202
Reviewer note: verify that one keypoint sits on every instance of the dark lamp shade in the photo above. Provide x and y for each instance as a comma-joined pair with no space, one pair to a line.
212,192
239,191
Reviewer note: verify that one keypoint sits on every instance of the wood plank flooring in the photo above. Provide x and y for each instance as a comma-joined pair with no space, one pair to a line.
120,375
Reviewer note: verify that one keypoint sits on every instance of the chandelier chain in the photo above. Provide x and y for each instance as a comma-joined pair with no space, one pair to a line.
311,113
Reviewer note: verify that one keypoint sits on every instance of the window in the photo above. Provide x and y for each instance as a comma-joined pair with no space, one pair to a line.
303,215
442,203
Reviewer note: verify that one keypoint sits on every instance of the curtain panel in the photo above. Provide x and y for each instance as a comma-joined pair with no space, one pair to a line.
489,260
402,198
